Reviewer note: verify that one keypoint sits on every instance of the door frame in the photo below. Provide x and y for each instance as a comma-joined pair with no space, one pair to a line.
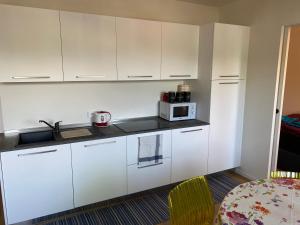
279,95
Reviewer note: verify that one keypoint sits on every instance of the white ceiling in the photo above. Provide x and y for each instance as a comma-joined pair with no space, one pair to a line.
210,2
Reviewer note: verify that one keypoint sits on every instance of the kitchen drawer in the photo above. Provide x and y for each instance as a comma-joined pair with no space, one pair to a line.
133,145
140,179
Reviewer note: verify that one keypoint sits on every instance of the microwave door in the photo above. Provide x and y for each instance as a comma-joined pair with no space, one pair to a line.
180,112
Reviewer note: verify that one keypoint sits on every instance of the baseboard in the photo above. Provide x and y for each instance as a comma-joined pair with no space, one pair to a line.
244,174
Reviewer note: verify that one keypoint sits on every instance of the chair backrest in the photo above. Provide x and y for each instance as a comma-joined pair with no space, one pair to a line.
285,174
191,203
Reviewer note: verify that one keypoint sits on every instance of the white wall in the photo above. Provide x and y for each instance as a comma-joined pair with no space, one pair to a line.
162,10
265,18
24,104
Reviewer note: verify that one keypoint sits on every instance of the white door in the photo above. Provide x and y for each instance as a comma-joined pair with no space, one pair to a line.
30,45
141,178
138,49
180,46
189,152
99,170
230,51
226,124
88,47
37,182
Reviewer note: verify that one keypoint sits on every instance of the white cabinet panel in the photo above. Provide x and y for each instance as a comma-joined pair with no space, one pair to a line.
99,170
89,47
226,119
133,145
143,178
37,182
140,179
138,49
180,46
189,152
30,45
230,51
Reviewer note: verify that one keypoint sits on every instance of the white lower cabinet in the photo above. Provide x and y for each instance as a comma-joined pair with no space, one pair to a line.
189,152
226,129
37,182
141,178
99,170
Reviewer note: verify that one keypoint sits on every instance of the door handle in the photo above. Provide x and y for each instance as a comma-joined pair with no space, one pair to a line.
229,76
36,153
90,76
229,83
188,131
30,77
184,75
102,143
141,76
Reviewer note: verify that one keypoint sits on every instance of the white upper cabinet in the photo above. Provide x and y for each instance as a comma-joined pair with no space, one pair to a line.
88,46
180,45
138,49
30,45
230,51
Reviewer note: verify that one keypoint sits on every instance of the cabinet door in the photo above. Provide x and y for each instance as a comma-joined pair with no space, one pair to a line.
180,46
226,124
140,179
37,182
189,152
99,170
88,46
138,49
230,51
30,45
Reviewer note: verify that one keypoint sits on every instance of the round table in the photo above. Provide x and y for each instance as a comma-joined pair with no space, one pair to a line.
262,202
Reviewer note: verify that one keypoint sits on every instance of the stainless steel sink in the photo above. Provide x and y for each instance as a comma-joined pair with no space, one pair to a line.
35,137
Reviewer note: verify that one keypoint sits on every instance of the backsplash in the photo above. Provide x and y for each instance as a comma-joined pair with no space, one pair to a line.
24,104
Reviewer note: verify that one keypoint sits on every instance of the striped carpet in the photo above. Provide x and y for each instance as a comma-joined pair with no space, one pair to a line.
147,208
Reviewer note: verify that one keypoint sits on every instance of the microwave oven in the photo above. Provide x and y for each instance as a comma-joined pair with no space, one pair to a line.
177,111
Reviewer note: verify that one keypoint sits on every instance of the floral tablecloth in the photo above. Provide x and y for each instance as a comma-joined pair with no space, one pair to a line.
262,202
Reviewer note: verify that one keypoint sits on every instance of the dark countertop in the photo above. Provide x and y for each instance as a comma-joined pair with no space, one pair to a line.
9,142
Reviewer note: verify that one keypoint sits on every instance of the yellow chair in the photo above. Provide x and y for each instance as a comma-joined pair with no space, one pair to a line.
285,174
191,203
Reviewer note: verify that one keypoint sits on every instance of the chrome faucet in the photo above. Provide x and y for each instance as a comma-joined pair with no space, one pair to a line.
55,127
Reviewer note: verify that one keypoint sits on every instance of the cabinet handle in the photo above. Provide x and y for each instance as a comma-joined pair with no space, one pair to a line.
89,76
229,83
30,77
142,76
187,131
36,153
186,75
102,143
229,76
141,167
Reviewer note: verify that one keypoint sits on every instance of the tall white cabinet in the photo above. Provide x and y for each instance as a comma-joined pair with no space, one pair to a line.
30,45
220,91
88,47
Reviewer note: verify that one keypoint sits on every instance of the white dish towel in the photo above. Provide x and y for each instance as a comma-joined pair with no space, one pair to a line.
150,151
